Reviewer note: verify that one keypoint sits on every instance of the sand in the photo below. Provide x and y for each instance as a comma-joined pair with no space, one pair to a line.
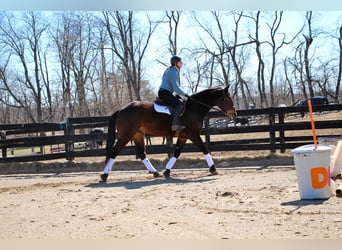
239,203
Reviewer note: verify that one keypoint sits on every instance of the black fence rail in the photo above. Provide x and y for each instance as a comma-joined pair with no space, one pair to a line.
72,138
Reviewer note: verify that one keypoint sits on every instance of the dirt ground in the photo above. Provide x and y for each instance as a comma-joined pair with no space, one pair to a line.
252,201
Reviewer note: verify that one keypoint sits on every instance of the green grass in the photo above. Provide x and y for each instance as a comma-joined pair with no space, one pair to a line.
22,151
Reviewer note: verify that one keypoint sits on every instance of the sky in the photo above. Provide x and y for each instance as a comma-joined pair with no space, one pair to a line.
291,24
167,5
150,5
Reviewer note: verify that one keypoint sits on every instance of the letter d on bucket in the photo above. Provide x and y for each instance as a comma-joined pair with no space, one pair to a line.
313,171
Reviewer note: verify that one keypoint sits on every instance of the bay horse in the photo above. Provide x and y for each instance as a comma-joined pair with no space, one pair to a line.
139,118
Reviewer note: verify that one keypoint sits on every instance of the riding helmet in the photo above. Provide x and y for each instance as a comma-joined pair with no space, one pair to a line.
175,59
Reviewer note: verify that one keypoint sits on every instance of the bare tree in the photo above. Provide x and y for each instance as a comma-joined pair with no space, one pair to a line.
83,57
324,78
229,53
129,45
297,63
308,42
303,62
261,64
78,52
276,42
219,54
194,77
173,19
338,81
276,46
288,81
64,44
23,41
107,93
8,97
241,83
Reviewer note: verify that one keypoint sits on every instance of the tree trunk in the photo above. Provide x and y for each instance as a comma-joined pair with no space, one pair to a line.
338,81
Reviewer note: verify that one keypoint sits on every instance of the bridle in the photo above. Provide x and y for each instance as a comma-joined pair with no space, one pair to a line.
208,106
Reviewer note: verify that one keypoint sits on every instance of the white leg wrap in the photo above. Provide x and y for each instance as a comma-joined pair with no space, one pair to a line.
149,165
108,166
171,162
209,160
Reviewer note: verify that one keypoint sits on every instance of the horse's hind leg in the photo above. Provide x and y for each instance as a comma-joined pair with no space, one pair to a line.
113,153
140,146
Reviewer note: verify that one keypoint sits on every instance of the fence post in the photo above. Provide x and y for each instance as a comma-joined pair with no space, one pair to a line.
69,144
272,130
3,147
281,117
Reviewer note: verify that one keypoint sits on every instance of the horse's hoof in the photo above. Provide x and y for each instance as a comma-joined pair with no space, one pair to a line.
213,171
167,173
156,174
104,178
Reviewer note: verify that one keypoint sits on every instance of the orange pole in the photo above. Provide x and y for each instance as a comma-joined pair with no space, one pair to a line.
312,123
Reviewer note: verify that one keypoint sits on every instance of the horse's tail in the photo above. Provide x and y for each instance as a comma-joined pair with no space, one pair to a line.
111,133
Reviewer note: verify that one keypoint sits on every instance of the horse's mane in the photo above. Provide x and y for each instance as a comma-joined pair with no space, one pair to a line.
204,93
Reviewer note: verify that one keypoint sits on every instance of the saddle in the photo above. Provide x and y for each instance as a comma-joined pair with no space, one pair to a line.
161,107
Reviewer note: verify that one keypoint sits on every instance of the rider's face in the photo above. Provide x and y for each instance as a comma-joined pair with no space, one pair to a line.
179,64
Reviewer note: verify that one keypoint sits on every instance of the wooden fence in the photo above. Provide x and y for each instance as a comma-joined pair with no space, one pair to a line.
70,139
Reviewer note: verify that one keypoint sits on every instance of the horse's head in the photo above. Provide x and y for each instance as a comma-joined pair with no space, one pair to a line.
225,103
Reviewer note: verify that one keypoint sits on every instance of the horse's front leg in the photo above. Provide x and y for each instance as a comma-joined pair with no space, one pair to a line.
179,146
197,140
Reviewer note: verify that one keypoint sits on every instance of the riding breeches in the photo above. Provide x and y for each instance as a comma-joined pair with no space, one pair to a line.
169,98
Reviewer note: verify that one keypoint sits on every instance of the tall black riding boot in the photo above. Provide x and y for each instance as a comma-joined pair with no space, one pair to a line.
176,125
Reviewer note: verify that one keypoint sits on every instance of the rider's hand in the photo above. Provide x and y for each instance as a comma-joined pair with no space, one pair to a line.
187,96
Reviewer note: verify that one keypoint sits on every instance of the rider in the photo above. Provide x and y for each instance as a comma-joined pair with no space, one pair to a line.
169,85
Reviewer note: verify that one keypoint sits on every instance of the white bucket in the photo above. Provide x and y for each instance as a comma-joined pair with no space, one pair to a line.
313,171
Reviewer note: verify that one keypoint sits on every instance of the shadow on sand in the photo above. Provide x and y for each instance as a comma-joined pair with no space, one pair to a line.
302,203
136,184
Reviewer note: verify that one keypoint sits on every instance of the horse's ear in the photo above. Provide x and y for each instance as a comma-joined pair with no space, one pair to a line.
226,89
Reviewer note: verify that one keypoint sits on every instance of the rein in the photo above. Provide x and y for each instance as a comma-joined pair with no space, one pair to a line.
206,105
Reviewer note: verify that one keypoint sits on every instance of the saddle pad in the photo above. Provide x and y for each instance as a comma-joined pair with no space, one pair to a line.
161,108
